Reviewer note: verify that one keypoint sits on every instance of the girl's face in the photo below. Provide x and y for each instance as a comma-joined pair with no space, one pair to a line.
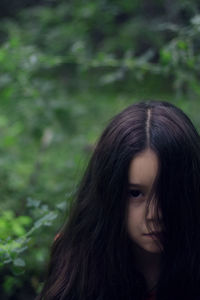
142,173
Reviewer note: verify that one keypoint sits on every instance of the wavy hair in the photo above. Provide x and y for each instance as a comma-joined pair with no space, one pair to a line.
92,258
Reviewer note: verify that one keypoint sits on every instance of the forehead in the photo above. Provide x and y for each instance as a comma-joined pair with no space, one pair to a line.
143,168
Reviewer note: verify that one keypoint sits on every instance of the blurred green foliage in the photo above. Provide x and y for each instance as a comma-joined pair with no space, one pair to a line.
66,68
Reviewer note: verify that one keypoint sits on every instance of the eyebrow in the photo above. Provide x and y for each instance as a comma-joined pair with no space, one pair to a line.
136,185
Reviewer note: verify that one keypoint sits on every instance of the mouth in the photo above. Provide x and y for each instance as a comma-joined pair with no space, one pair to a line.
153,234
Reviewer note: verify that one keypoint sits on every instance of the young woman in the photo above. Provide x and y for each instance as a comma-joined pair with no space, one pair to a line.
134,231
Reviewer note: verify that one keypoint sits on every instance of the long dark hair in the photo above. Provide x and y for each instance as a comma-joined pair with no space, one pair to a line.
92,259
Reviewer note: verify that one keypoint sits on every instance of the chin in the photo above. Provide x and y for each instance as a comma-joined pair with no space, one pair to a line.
153,248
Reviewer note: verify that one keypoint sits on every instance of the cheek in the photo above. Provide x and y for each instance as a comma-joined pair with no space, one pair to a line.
134,218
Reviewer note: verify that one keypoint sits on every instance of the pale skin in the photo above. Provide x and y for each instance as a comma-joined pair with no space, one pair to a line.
147,250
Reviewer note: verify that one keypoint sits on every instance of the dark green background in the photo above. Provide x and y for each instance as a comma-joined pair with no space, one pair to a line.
67,67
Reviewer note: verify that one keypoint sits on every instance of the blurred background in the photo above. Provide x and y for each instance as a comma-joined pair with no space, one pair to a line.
66,68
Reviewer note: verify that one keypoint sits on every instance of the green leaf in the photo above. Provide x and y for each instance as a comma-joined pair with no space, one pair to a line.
19,262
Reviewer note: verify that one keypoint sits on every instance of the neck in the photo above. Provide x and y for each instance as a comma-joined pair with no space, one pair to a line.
148,264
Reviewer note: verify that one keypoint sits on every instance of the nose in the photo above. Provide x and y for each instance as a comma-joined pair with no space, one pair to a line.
152,218
150,211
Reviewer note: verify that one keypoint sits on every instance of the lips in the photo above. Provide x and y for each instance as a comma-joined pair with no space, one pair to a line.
154,234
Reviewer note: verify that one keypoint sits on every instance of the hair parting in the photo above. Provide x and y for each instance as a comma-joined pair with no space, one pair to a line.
148,126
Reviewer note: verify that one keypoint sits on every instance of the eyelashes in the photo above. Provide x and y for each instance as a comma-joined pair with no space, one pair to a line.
135,194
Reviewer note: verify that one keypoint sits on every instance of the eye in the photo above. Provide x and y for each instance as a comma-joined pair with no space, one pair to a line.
135,193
